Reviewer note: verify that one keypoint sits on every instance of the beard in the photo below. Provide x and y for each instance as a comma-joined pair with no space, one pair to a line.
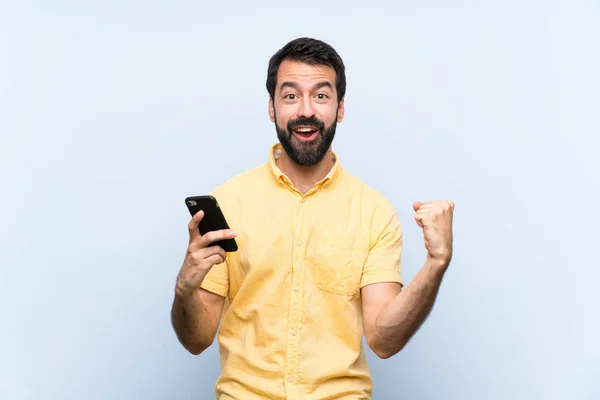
306,154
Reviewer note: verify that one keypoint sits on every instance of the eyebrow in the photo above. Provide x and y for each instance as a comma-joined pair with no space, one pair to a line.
295,86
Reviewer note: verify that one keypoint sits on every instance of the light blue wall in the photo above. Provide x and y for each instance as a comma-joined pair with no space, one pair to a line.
112,112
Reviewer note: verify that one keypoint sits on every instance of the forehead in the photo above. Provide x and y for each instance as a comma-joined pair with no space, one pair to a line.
303,73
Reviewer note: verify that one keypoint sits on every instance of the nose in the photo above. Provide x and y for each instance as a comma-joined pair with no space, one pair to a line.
306,110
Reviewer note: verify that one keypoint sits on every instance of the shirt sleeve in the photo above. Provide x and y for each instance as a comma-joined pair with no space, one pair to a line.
383,262
217,280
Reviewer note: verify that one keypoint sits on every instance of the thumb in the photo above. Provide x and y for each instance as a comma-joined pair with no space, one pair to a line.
417,205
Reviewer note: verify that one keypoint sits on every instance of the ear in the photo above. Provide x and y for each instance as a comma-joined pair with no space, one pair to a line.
340,111
271,110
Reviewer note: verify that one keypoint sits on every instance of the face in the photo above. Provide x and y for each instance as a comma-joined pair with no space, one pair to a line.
305,110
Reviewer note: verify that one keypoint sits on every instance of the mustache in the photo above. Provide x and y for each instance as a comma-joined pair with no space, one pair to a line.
312,121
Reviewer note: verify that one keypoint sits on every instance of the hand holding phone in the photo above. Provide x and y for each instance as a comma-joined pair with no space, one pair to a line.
212,221
204,250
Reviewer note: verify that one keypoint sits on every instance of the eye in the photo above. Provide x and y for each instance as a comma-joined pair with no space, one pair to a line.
290,96
322,96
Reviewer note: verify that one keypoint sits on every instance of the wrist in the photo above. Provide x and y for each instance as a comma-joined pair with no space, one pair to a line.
184,291
187,300
182,294
439,263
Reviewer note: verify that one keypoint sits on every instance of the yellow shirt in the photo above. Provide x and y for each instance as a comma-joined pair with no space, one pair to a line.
292,324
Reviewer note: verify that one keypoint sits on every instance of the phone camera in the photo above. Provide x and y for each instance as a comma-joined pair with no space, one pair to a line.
191,203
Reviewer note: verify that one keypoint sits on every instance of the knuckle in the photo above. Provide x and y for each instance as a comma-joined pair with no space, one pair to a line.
210,237
212,260
209,251
195,258
192,246
204,264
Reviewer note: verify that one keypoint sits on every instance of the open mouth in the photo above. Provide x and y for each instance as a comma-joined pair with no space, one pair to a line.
306,133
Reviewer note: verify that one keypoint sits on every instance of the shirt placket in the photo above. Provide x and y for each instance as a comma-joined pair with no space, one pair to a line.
296,302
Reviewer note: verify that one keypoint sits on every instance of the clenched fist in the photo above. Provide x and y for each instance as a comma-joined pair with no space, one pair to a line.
435,217
200,256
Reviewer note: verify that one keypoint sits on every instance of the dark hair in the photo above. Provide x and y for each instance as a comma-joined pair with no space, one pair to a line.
310,51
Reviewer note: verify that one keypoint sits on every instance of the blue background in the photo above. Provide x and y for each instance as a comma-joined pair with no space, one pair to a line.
112,112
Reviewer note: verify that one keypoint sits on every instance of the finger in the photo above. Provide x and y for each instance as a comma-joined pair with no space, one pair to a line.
441,204
425,217
419,218
417,205
193,225
216,259
204,258
213,236
418,221
207,252
222,253
428,205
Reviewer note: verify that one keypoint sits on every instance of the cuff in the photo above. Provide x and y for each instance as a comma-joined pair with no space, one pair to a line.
215,287
380,277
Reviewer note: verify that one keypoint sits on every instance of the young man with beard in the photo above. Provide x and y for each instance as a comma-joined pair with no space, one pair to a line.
318,264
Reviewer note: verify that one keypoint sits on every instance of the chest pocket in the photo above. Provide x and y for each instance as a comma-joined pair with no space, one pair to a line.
338,264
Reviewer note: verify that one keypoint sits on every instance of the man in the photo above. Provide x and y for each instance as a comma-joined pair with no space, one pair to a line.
318,264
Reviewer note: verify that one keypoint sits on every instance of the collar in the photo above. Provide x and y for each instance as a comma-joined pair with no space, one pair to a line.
275,153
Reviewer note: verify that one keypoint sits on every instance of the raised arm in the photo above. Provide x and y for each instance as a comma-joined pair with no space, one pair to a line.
391,315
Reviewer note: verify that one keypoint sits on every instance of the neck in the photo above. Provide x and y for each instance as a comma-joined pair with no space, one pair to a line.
304,178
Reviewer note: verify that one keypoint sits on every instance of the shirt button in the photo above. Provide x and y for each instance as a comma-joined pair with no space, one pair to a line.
290,379
293,332
296,289
299,243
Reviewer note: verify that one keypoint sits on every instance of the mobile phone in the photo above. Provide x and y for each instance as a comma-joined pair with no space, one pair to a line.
213,219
